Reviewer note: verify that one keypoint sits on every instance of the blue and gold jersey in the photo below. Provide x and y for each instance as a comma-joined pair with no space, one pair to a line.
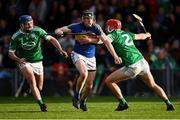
87,50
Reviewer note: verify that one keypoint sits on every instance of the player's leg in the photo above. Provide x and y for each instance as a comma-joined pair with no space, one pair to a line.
38,73
83,74
39,82
149,81
80,64
111,81
28,73
86,90
39,76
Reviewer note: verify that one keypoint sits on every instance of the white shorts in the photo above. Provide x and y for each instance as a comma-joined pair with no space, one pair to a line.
37,67
139,68
90,62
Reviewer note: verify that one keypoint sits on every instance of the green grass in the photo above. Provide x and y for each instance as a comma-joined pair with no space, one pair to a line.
99,108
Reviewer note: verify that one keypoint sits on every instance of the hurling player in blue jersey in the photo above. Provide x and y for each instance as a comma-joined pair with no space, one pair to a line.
83,55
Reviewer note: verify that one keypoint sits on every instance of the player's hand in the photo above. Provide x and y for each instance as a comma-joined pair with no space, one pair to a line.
118,60
85,40
59,32
64,53
148,35
22,61
89,39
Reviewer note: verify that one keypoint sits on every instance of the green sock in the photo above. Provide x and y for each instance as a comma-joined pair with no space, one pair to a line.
40,102
167,102
122,101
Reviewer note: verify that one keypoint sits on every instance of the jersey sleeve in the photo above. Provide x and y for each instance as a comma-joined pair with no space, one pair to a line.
73,27
132,35
13,45
42,33
112,36
99,29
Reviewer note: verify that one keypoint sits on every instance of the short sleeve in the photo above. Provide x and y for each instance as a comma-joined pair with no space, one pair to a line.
99,29
13,45
112,35
42,33
73,27
132,35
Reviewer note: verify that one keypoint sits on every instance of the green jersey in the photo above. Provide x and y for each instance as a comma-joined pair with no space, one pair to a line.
123,44
28,45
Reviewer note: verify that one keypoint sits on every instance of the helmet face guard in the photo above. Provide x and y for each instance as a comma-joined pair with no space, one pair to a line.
113,24
108,29
26,23
88,13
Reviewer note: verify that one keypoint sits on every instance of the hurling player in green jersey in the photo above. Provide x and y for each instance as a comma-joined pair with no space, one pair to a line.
25,49
134,64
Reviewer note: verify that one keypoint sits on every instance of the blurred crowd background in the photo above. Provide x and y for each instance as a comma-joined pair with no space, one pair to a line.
160,17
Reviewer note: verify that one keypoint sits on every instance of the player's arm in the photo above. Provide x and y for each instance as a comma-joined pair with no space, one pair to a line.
55,42
13,56
99,41
107,41
95,40
12,52
88,40
142,36
64,29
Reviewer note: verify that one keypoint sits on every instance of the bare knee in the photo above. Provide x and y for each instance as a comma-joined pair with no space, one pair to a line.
40,88
107,81
83,75
32,83
40,85
153,86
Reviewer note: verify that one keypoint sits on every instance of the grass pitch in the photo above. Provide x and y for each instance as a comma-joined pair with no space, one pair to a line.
99,108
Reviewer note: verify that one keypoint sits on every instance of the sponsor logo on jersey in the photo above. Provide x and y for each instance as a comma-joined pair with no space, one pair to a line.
28,45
